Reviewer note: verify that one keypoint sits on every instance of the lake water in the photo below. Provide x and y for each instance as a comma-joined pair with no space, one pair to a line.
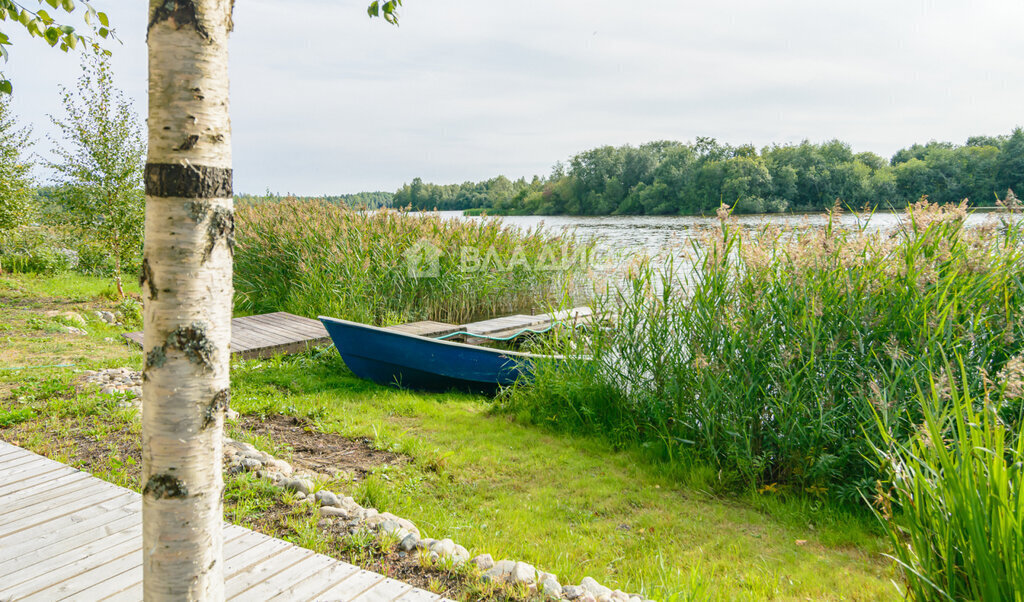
654,234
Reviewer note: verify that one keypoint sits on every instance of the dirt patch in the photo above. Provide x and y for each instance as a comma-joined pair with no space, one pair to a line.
315,451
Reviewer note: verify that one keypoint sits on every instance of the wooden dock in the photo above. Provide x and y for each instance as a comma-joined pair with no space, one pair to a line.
504,326
267,335
65,534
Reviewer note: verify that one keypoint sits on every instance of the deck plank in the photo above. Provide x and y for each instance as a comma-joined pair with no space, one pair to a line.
322,580
384,591
61,474
351,588
44,492
288,579
23,519
426,328
266,335
81,541
290,322
55,530
67,535
258,574
80,574
258,325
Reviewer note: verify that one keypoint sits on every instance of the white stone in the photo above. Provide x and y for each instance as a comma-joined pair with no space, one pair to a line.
592,586
500,570
408,543
334,511
303,486
327,498
550,585
523,573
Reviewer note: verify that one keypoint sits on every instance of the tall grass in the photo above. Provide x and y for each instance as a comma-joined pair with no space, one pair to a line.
772,354
952,498
388,266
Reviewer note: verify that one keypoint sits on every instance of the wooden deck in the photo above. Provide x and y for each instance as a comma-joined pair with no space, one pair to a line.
67,535
507,326
497,327
267,335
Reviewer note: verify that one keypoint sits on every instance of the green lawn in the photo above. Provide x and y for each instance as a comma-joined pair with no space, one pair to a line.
572,506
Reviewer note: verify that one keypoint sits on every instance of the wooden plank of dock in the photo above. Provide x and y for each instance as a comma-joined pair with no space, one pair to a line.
426,328
267,335
67,534
510,325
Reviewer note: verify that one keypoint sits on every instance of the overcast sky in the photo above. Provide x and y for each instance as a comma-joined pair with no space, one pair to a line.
326,101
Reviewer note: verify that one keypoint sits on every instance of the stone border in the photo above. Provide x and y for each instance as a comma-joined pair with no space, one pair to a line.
244,457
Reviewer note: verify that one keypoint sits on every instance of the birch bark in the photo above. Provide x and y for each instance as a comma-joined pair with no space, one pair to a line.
186,288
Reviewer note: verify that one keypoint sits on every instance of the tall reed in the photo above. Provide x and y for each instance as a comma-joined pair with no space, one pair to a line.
387,266
952,496
772,353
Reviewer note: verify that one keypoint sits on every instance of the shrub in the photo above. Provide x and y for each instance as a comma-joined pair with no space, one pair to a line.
34,250
770,354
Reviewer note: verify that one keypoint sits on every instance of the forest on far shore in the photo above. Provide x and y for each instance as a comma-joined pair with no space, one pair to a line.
667,177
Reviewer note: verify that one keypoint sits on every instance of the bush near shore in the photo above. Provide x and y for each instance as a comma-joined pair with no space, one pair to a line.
387,266
770,359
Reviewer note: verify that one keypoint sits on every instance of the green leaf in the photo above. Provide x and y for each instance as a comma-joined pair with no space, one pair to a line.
104,32
5,86
45,16
69,5
53,3
103,19
374,9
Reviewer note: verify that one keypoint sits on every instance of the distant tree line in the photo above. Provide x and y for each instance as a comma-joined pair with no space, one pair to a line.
666,177
358,200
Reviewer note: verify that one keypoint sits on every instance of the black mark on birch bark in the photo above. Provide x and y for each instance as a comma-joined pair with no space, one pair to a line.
218,404
193,342
146,278
189,143
155,359
197,210
180,12
221,227
165,180
161,486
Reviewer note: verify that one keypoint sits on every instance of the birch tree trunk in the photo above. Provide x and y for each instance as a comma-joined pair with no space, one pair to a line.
186,288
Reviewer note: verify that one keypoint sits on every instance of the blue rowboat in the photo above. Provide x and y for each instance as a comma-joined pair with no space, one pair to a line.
410,361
